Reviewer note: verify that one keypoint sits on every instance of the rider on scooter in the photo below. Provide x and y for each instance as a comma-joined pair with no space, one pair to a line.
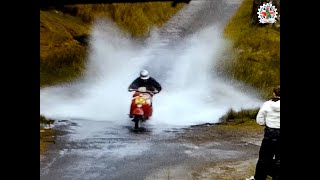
145,81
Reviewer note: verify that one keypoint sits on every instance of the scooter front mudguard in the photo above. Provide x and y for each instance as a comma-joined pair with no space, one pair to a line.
138,111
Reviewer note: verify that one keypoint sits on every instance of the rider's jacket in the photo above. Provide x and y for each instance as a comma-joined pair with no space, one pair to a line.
151,84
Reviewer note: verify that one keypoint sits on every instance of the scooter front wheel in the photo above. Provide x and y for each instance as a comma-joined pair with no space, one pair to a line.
136,121
136,124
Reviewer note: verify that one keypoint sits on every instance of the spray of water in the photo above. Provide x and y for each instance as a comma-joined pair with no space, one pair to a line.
192,91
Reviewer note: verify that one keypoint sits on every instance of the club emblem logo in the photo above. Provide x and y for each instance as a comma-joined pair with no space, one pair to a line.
267,13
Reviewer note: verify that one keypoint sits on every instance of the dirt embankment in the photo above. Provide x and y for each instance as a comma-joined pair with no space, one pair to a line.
244,134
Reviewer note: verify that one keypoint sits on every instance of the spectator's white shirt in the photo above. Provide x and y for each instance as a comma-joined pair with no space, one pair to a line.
269,114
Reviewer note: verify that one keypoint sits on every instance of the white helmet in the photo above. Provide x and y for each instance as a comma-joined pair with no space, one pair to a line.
144,74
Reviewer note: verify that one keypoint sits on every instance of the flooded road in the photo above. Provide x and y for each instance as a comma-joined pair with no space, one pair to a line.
120,153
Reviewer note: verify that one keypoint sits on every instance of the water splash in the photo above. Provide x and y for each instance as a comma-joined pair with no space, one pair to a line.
182,61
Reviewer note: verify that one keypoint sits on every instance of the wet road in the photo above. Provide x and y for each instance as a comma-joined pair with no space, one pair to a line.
119,153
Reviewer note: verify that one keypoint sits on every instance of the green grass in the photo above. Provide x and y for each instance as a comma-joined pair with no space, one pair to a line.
134,18
63,57
256,56
244,114
252,170
45,121
63,65
240,122
46,135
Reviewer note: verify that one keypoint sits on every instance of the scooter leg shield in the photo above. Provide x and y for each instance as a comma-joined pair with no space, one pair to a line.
138,111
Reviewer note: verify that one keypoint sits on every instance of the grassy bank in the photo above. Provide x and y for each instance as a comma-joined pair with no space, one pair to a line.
134,18
46,135
63,33
242,115
256,56
62,56
240,123
255,61
62,65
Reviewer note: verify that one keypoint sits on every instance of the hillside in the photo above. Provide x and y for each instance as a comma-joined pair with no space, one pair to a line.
256,56
63,33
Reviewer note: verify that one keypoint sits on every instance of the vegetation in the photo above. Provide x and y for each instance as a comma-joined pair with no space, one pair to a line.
135,18
240,122
244,114
62,65
62,56
63,33
46,135
256,59
252,169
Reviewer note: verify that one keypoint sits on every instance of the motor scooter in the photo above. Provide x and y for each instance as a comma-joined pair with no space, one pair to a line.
141,105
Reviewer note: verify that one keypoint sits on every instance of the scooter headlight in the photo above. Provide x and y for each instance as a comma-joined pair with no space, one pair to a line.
139,105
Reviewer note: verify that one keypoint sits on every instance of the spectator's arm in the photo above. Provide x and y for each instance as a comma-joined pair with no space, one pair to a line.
261,116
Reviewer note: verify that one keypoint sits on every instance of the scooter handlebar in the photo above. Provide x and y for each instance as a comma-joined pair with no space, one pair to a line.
147,91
